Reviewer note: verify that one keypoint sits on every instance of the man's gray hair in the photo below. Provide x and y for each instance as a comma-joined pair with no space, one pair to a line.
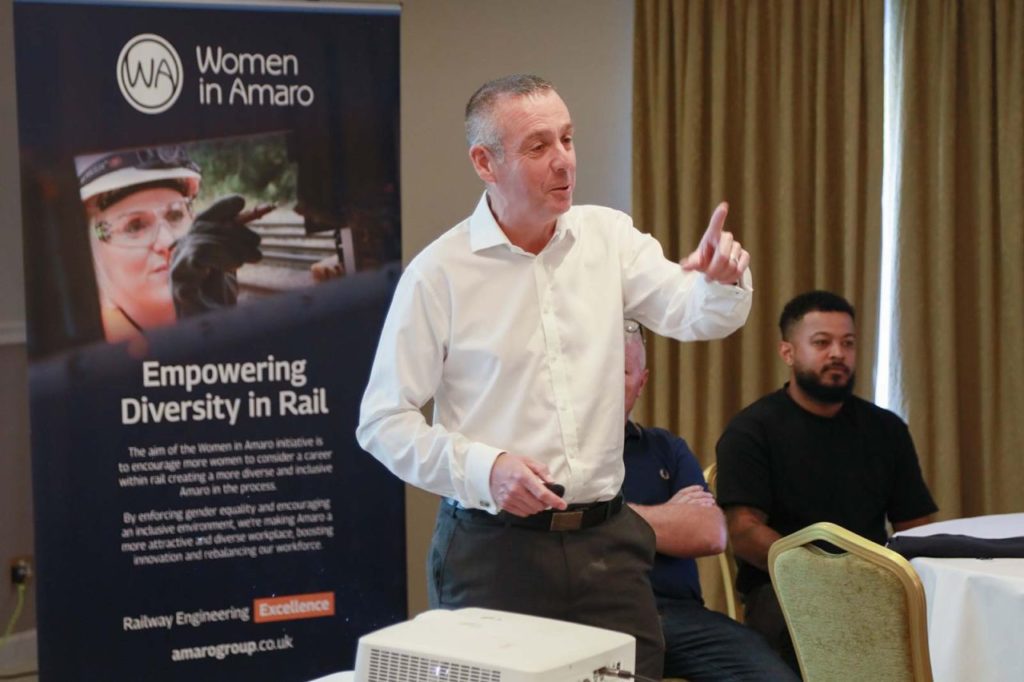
481,128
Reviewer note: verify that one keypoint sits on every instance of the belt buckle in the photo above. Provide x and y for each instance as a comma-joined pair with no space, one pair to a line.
567,520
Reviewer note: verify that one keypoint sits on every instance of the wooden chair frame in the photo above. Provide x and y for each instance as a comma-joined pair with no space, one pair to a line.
725,559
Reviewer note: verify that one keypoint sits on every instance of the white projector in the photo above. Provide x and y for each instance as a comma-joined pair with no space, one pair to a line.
481,645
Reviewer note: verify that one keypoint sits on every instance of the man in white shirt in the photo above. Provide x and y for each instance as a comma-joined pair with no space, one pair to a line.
511,322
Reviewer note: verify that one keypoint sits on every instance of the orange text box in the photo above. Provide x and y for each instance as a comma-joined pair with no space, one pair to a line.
293,607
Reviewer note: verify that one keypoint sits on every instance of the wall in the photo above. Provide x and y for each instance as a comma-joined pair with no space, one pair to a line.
449,47
15,472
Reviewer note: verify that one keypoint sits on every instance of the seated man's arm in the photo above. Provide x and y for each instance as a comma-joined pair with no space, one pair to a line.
745,487
911,501
688,525
751,536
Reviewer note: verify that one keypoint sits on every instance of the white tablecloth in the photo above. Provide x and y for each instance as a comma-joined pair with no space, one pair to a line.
975,606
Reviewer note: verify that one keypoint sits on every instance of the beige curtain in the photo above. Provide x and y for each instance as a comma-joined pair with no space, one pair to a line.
775,106
960,218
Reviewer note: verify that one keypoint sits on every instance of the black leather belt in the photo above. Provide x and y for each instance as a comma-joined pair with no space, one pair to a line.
576,517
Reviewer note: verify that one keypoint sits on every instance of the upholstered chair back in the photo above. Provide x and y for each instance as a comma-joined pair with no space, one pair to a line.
854,615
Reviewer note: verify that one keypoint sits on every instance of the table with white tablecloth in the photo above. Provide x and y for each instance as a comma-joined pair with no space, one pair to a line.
975,606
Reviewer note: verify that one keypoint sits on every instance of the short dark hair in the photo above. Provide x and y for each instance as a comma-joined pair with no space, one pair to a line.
480,127
810,302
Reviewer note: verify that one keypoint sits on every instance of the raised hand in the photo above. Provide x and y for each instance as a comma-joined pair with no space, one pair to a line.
204,261
719,256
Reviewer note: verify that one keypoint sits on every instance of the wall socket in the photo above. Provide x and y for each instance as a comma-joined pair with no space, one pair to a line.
21,570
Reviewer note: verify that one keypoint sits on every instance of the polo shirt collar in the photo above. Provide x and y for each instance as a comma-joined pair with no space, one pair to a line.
484,231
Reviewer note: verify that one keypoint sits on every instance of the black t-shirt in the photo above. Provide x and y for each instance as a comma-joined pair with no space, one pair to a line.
853,469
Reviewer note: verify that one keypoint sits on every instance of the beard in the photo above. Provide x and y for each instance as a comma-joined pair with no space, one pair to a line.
826,394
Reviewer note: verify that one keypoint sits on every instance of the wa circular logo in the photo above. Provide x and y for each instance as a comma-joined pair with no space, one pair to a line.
149,73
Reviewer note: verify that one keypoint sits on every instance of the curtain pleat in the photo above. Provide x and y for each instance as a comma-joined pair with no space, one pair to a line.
960,221
777,107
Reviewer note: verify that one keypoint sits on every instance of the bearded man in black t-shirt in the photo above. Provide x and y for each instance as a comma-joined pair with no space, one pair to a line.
812,451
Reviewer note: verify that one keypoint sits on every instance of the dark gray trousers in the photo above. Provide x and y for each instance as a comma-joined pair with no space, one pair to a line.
596,576
763,614
707,646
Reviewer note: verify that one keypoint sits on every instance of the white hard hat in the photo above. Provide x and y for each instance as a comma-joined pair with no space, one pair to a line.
99,173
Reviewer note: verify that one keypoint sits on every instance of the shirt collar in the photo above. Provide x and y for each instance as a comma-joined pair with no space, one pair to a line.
484,231
632,430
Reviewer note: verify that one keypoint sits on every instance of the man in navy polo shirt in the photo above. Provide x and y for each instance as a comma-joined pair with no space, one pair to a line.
665,485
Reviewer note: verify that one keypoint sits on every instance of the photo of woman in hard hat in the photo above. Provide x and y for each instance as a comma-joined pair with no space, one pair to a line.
154,259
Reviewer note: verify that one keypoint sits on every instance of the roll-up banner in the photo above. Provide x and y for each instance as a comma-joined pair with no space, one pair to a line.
211,229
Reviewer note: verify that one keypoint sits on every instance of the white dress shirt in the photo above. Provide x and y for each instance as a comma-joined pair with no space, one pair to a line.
523,353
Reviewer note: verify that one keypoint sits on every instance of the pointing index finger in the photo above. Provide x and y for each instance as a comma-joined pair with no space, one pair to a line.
717,223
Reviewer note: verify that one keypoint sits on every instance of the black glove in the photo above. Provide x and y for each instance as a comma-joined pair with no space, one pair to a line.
204,261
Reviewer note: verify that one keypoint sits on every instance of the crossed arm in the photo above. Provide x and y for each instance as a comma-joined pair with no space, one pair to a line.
752,538
690,524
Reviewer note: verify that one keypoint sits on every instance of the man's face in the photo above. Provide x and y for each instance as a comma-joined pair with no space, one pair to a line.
135,277
532,183
636,370
822,352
